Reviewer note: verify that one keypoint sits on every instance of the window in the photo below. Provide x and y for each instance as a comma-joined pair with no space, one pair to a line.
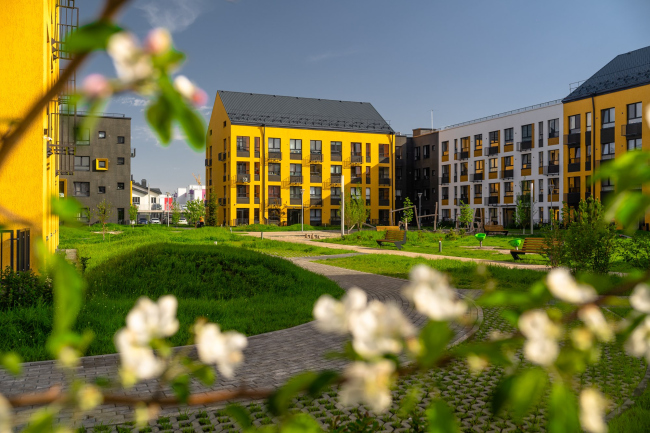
541,159
120,139
274,169
398,193
82,163
526,132
82,136
525,187
101,190
315,192
553,128
315,169
425,152
574,124
294,192
425,173
153,200
553,157
494,138
540,133
525,160
224,123
101,134
608,150
445,148
634,144
257,147
314,215
335,192
607,184
336,169
478,142
243,144
355,191
634,113
101,163
463,169
368,192
494,165
274,144
274,191
416,153
608,117
316,146
82,189
120,185
588,121
416,174
507,189
356,149
336,147
509,135
136,200
399,173
445,193
478,190
295,169
295,146
507,162
398,152
479,166
120,161
367,152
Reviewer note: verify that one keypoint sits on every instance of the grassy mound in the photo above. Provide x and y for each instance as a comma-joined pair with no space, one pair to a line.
240,289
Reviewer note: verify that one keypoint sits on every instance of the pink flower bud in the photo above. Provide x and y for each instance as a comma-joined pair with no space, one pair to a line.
184,86
199,98
96,86
158,41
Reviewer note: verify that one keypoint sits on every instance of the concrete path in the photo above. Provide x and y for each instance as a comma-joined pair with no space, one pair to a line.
270,359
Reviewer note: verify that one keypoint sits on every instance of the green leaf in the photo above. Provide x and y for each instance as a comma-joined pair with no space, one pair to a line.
324,379
205,374
11,362
41,421
168,59
300,423
501,394
193,126
68,294
66,208
527,389
441,419
181,387
159,116
93,36
562,410
434,339
408,402
240,415
281,399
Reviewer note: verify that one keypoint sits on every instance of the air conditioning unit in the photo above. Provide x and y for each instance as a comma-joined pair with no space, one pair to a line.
245,179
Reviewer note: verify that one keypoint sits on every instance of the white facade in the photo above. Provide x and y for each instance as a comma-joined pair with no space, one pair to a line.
192,192
149,201
533,150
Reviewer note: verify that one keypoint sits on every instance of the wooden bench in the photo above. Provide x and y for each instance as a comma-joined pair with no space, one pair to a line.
532,246
383,228
397,237
493,228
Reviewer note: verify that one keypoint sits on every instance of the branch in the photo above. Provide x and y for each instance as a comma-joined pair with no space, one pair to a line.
12,138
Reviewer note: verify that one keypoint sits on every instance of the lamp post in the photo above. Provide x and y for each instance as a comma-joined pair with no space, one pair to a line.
532,202
419,207
550,193
302,210
167,206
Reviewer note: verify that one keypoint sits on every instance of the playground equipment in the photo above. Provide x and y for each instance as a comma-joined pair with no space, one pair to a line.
516,243
480,237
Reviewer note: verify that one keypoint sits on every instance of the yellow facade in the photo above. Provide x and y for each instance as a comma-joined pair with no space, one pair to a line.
28,177
577,174
222,159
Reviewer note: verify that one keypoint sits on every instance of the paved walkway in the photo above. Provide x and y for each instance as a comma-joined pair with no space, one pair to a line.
270,359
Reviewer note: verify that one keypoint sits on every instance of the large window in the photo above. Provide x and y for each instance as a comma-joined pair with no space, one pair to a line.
315,216
445,148
335,192
494,138
336,169
274,144
553,157
608,117
416,153
507,162
494,165
425,152
294,192
295,169
82,189
82,163
479,165
526,132
634,113
464,144
316,146
608,150
553,128
336,146
509,135
478,142
574,124
295,146
274,169
507,189
315,192
634,144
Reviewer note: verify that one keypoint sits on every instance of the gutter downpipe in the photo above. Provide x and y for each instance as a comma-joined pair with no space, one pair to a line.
263,173
593,143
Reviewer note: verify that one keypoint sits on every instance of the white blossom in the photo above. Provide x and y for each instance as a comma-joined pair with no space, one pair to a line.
221,348
138,360
89,397
368,384
564,287
379,329
5,415
541,334
158,41
188,90
149,320
596,323
592,411
131,63
334,316
640,298
432,295
639,342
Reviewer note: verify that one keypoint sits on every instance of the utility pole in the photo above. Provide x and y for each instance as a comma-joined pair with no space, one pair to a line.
343,206
302,210
532,202
420,203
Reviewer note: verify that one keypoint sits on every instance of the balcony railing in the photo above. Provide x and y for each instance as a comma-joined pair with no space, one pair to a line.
335,201
384,159
208,162
243,199
356,158
574,165
572,139
316,157
335,221
275,155
315,201
477,177
243,177
631,129
356,179
553,134
275,177
337,156
295,156
275,201
384,181
335,179
525,145
507,174
295,201
551,170
493,199
368,179
242,152
295,178
444,180
492,150
540,197
607,135
242,221
315,178
222,201
572,197
384,202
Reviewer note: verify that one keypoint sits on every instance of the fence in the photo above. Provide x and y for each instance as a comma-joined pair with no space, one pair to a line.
15,250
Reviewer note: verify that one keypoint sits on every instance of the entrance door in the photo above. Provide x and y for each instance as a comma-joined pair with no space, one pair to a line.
120,215
508,217
293,216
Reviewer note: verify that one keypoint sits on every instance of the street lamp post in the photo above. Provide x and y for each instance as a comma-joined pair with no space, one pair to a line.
302,210
419,207
550,193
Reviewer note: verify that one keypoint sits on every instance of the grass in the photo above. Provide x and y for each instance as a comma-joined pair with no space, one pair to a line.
229,283
275,228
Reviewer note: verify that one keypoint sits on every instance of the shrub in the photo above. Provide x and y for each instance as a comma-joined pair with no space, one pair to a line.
452,235
635,251
23,289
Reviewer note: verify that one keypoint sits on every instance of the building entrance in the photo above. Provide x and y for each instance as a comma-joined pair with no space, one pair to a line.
293,216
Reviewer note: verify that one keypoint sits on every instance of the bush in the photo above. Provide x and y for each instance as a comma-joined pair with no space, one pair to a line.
23,289
452,235
635,251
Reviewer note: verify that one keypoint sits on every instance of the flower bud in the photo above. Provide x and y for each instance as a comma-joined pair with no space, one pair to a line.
158,41
96,86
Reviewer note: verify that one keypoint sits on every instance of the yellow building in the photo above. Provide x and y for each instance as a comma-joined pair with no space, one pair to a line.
618,94
272,159
29,36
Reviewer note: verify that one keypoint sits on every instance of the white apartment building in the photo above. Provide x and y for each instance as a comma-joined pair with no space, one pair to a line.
489,162
149,201
192,192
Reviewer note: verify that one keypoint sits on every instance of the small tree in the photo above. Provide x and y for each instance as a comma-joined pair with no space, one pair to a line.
103,212
212,210
194,209
522,211
356,212
133,213
466,215
176,213
407,213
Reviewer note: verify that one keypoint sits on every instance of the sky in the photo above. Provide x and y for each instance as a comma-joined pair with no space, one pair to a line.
462,59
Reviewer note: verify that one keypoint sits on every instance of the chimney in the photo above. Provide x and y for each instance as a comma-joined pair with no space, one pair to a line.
144,182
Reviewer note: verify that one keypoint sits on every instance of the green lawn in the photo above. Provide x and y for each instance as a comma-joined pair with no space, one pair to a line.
276,228
230,283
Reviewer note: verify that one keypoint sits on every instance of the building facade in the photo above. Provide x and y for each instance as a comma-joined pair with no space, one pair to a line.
151,202
268,164
617,95
488,163
102,163
191,193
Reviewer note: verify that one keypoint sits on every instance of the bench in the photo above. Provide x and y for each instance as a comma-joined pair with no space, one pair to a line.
397,237
532,246
383,228
493,229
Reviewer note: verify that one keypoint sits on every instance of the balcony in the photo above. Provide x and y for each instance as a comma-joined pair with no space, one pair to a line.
335,179
295,156
444,180
295,201
508,174
573,196
335,201
242,222
243,178
524,145
492,150
256,200
274,177
275,155
463,200
274,201
356,179
572,139
368,181
315,201
336,156
384,202
384,159
316,178
493,199
335,221
243,152
295,178
552,170
316,157
607,135
243,199
574,165
384,181
477,177
257,177
463,154
632,129
208,162
540,197
356,158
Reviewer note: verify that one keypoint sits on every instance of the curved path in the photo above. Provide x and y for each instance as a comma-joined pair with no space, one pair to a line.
270,358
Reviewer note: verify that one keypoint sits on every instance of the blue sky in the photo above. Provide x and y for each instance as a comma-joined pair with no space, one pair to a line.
462,59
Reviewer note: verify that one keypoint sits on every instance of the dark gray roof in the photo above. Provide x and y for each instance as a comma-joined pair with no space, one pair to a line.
625,71
306,113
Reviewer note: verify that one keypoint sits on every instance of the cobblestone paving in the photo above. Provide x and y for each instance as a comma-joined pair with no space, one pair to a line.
270,359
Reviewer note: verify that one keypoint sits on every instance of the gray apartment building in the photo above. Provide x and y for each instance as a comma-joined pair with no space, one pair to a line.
102,163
